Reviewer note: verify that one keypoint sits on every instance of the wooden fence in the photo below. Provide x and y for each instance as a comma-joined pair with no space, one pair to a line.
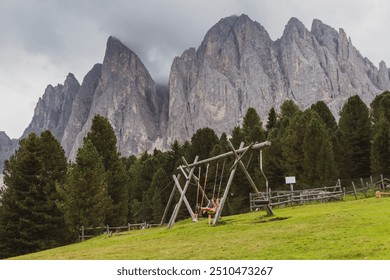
90,232
289,198
324,194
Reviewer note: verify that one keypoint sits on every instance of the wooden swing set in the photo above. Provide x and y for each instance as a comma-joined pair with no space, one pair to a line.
214,206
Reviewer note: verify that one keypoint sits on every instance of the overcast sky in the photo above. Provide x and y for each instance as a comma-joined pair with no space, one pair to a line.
42,41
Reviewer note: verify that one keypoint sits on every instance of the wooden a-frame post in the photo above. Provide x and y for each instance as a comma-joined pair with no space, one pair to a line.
238,154
226,192
177,207
248,176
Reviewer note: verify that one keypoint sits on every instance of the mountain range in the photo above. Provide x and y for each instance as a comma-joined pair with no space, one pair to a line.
236,66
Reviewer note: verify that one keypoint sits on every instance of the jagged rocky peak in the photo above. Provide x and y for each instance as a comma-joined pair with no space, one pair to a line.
81,107
327,36
238,66
294,28
383,76
233,31
234,63
126,94
53,109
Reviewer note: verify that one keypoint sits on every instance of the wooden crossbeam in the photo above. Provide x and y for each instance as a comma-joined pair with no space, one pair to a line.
228,154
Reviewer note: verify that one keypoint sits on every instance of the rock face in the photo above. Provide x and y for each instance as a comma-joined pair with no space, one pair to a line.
120,89
81,108
125,94
54,108
238,66
7,148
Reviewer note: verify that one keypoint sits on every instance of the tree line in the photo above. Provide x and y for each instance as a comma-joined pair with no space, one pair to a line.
47,199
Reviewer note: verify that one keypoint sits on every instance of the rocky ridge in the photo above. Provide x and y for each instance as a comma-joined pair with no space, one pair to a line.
237,66
7,147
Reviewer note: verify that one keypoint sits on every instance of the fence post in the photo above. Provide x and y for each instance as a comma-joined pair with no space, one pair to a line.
82,233
383,182
107,229
354,190
364,189
372,182
128,226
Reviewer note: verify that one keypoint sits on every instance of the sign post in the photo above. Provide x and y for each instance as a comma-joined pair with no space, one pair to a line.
290,180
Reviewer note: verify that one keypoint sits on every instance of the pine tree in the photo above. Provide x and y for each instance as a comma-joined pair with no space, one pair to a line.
29,218
175,154
272,160
355,128
102,136
380,108
85,196
153,202
288,110
292,141
380,150
325,114
203,142
272,120
318,161
330,123
252,127
54,172
238,136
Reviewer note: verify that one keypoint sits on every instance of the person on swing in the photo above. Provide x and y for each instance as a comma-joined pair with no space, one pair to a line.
211,209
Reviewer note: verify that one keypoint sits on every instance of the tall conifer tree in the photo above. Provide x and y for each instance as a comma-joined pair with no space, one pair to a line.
29,218
380,150
355,128
85,196
102,136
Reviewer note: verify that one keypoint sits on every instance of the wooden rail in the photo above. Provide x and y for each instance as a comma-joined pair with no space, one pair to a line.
287,198
112,230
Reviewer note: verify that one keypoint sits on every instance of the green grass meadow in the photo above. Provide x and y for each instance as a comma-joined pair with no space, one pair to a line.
351,230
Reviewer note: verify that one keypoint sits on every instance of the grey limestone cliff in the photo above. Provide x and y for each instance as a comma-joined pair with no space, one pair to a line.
53,110
126,94
7,147
238,66
81,108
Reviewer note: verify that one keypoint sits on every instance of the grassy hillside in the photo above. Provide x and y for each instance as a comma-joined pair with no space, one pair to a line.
341,230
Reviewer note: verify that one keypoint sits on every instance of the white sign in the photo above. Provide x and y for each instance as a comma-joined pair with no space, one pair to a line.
290,180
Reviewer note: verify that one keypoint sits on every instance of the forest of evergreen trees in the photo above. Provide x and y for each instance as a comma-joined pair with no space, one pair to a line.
47,199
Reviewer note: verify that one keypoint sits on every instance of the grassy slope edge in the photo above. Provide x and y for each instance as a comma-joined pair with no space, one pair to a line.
342,230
